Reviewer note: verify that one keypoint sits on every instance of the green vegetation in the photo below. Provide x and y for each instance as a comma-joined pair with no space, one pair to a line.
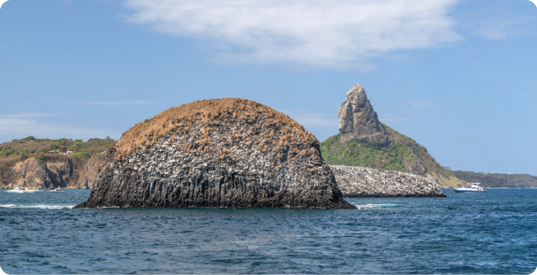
404,155
498,180
31,145
360,152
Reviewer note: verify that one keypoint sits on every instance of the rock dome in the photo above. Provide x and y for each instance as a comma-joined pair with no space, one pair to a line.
217,153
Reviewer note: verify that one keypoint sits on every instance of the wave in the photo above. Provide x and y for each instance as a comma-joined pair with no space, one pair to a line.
41,206
373,206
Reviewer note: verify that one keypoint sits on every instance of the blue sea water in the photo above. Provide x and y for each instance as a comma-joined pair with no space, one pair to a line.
488,233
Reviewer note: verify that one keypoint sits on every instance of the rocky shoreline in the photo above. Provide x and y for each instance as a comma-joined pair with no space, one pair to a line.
360,182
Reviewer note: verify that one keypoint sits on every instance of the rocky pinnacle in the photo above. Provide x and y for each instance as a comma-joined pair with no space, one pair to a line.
358,119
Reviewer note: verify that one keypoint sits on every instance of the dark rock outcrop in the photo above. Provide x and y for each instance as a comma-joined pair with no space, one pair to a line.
358,119
217,153
360,182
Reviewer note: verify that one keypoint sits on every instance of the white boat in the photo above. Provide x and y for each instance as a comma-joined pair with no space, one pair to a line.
21,190
16,190
31,190
474,188
57,190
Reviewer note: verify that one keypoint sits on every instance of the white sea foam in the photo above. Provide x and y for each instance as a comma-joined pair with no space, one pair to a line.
42,206
373,206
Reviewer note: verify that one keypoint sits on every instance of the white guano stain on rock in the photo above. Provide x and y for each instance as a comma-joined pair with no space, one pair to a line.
361,182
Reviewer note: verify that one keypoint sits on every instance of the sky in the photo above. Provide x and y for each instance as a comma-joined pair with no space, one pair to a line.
457,76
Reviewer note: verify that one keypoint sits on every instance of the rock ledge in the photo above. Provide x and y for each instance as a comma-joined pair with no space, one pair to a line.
360,182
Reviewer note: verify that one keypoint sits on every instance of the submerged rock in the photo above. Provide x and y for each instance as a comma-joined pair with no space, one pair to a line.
216,153
360,182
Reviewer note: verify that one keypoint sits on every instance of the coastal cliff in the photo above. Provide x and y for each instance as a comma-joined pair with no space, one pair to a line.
43,163
360,182
364,141
217,153
34,172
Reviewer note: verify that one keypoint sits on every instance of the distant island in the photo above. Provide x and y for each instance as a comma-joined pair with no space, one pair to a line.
499,180
364,141
51,163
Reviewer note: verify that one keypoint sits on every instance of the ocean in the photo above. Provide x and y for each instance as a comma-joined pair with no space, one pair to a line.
487,233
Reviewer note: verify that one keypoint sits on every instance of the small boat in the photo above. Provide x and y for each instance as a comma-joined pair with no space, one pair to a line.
17,190
57,190
474,188
31,190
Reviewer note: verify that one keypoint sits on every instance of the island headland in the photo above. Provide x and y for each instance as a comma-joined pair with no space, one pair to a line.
217,153
49,163
364,141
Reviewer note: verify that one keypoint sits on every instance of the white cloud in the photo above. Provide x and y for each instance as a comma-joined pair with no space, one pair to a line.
333,34
392,118
104,103
142,102
28,115
499,28
496,19
418,104
11,128
312,120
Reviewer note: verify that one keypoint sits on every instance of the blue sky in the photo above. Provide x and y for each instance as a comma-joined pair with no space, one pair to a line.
457,76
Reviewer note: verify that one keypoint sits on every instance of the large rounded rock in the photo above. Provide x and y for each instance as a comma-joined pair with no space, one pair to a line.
217,153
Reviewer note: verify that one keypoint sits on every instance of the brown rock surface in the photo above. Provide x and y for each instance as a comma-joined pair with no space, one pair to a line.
88,173
35,173
30,173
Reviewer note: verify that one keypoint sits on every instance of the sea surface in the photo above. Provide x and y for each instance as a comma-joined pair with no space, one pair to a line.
488,233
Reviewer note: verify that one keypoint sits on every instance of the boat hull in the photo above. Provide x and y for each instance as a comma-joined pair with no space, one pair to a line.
466,191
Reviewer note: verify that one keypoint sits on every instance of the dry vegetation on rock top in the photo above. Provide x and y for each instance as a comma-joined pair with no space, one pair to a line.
209,113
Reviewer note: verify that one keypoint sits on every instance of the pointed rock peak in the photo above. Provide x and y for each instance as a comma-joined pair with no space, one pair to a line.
356,90
358,119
